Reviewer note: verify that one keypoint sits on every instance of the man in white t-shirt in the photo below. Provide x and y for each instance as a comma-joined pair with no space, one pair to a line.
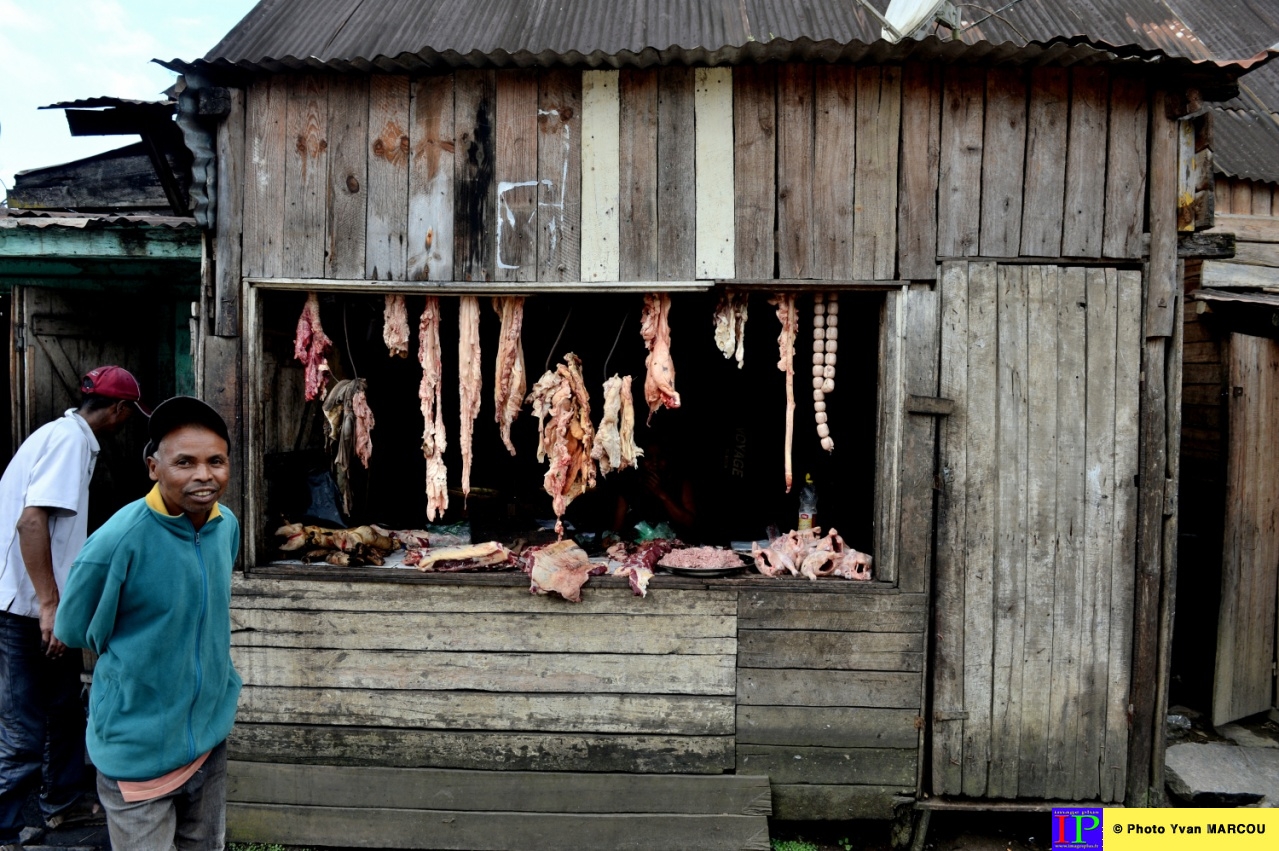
44,500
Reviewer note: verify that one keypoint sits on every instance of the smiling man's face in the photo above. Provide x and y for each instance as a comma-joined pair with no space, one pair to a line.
192,469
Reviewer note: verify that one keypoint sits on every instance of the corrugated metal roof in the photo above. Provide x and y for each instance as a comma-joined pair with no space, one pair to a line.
95,103
10,218
1244,146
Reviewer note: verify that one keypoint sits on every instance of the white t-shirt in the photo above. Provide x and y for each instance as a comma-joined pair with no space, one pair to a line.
51,469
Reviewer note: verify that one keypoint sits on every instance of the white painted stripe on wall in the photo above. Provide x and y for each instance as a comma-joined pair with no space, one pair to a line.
601,182
713,103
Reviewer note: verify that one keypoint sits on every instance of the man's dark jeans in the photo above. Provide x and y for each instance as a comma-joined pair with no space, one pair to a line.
41,725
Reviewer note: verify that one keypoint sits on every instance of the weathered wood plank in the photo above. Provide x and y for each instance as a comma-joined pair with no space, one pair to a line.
255,593
674,715
1248,228
959,191
559,169
432,165
330,745
1099,498
676,174
1126,169
832,727
489,791
1262,196
375,827
1241,197
515,224
638,174
920,163
834,143
845,612
306,176
459,632
861,766
1009,573
949,584
1162,276
786,687
1223,274
811,802
1063,723
474,182
1046,136
713,170
754,601
1001,192
1186,176
1042,289
879,115
890,415
980,523
794,170
601,238
754,169
348,177
230,213
920,346
264,154
386,246
1256,254
223,388
1086,162
849,651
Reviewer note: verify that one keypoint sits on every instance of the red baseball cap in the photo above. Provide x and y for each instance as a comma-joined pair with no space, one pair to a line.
114,382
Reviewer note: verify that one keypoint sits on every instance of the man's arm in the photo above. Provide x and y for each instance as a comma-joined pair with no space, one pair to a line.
37,555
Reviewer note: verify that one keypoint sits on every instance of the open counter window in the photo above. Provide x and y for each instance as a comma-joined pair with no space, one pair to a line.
712,471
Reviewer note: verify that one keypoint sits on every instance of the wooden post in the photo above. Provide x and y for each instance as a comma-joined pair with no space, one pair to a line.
226,267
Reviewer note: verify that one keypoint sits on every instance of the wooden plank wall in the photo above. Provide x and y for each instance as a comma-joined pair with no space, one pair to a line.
1246,197
1036,530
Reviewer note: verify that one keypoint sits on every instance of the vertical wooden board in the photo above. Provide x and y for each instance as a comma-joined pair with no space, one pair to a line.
515,216
1009,574
920,344
834,143
879,113
948,617
1086,163
960,189
1221,191
920,160
676,174
1124,548
638,174
1099,498
348,176
601,205
1241,197
1005,153
794,170
980,523
1126,169
265,144
1041,522
230,213
474,184
1068,570
559,170
713,167
1046,134
890,411
1186,176
1162,282
386,246
754,169
432,149
306,176
1261,199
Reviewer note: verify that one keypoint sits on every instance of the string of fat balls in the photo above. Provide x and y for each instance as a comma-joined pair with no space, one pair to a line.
825,345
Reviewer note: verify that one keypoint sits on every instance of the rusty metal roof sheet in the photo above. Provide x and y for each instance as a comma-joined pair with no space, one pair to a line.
99,102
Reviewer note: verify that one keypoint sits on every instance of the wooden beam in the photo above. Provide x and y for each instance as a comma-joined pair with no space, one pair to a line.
230,220
601,231
713,172
1248,228
125,242
1222,275
1161,278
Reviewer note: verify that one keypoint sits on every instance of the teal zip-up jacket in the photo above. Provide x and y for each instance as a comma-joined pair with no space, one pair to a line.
152,597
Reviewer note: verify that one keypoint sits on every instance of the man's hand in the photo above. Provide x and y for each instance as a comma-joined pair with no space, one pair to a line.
33,539
53,648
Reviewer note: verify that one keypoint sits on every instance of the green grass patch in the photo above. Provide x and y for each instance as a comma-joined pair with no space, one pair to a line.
793,845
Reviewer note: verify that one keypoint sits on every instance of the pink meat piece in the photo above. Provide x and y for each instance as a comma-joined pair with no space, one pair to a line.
395,326
310,344
659,384
637,563
789,317
813,555
561,568
509,383
567,437
468,367
363,425
701,557
434,440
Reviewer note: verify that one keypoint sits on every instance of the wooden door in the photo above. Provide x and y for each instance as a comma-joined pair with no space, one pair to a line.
64,333
1036,540
1244,683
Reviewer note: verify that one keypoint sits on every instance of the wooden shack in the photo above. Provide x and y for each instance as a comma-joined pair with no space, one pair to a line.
1002,225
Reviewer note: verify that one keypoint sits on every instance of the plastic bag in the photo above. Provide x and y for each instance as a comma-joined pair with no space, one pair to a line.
644,532
452,535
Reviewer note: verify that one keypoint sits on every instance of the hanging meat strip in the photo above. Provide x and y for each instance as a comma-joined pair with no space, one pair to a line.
310,344
615,447
468,368
509,383
789,317
395,326
659,385
433,435
730,325
364,423
567,438
630,452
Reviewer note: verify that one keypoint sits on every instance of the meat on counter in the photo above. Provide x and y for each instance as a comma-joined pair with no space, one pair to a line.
807,552
561,568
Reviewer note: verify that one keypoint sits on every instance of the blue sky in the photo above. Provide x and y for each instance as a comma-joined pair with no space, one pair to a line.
56,50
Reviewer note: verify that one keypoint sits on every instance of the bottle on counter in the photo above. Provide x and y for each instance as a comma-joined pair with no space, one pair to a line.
807,503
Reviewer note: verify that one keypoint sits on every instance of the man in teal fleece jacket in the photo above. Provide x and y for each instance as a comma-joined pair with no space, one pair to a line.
151,593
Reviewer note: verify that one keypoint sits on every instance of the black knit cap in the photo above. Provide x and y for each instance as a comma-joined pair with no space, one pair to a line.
172,414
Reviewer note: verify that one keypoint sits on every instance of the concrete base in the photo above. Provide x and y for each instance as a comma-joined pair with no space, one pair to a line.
1217,775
